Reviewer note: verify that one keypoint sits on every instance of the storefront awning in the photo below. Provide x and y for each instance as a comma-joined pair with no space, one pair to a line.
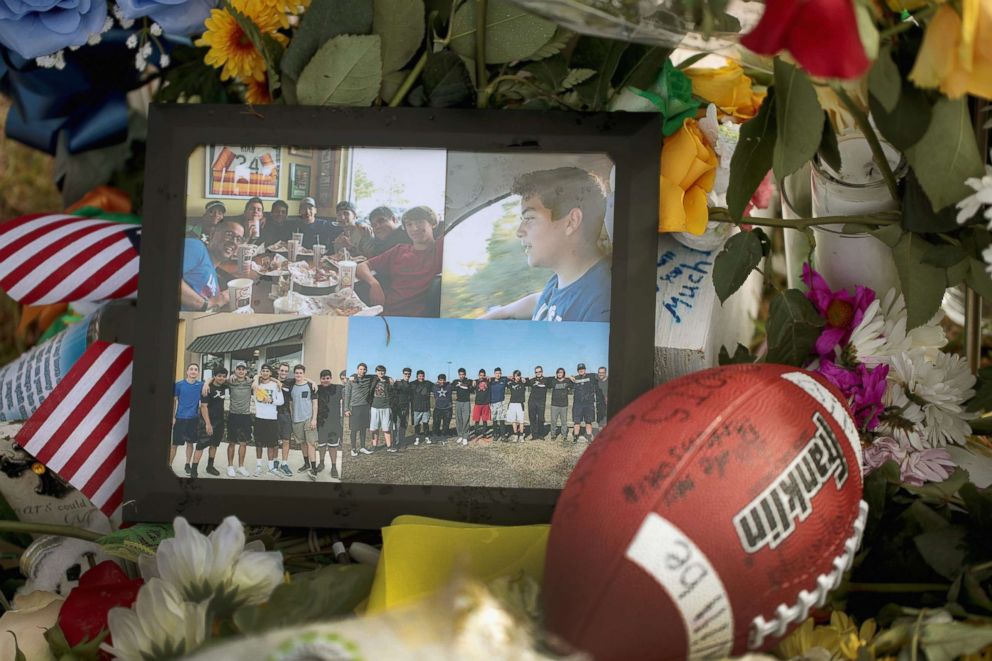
253,337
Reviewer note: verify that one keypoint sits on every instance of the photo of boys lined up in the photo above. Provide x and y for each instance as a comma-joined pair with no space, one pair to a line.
281,412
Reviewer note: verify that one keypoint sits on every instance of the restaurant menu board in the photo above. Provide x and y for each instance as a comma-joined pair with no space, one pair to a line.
243,171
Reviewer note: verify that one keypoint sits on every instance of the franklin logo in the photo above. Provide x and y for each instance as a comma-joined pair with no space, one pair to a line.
771,517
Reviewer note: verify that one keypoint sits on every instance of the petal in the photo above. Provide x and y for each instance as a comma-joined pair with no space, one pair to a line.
769,35
696,210
227,542
181,17
671,211
181,558
256,575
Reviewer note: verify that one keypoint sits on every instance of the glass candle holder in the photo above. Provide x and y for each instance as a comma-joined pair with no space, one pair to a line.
858,188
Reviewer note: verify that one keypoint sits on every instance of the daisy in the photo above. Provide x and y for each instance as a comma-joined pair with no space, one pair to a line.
842,311
882,333
231,50
881,450
969,207
922,466
939,387
160,625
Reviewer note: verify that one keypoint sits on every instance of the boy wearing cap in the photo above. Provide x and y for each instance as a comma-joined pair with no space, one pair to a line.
442,408
315,230
562,213
268,399
420,402
239,427
400,279
355,237
213,213
583,403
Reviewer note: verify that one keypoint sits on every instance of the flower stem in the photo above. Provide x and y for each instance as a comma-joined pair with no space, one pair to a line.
912,22
896,588
881,218
480,44
408,82
50,529
861,119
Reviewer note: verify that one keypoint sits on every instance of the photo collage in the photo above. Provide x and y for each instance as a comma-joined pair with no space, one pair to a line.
392,316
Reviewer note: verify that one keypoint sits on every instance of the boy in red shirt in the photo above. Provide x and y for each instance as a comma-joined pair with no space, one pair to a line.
407,270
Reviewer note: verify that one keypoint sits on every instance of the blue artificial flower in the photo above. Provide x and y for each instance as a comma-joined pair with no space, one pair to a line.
41,27
179,17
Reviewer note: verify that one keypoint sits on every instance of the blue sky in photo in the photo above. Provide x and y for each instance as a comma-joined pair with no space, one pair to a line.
429,344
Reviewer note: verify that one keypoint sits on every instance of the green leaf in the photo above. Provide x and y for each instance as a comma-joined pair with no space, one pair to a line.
946,641
346,71
978,279
947,154
943,255
793,326
890,235
979,505
640,65
741,356
140,539
391,83
598,90
88,650
799,119
944,550
576,76
329,592
884,80
904,126
753,156
740,255
400,25
511,33
922,284
549,73
829,150
918,214
322,21
941,491
555,45
446,81
957,273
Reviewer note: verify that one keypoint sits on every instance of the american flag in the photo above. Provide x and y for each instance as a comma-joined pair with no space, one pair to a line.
55,258
80,430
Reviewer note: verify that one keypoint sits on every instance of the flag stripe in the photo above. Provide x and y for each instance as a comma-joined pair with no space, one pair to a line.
93,448
57,258
74,394
42,242
106,256
97,399
62,269
80,430
12,231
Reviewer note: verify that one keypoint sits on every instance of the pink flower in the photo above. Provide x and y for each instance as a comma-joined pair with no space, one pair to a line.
842,311
864,389
882,450
762,196
933,465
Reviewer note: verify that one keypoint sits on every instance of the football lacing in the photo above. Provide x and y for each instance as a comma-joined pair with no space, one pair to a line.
825,583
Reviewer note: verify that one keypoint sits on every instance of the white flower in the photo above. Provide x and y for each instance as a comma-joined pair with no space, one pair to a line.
155,29
164,61
971,205
882,332
160,625
938,386
132,41
922,466
201,567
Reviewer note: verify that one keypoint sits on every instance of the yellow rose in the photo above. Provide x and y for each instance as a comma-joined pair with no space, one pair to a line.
956,54
728,88
688,168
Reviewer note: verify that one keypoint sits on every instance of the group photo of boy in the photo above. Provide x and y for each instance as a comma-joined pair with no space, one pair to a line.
298,426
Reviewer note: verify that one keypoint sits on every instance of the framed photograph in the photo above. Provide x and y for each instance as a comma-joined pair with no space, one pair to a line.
300,151
299,181
445,340
241,172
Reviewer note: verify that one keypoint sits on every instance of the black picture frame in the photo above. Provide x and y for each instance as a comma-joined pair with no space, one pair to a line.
154,493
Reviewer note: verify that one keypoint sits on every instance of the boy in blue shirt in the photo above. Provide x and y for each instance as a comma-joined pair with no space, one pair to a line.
562,212
200,287
186,413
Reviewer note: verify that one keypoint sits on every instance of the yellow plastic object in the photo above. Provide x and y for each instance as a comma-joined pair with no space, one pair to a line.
420,553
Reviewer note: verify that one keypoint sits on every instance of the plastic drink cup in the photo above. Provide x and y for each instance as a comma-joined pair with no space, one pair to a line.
346,274
239,292
318,252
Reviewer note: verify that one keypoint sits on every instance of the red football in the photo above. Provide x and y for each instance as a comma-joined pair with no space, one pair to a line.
708,517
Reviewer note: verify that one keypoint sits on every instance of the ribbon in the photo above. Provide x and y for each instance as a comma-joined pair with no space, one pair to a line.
86,99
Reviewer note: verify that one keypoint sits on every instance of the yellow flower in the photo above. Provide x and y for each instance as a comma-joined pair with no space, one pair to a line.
688,169
956,54
257,91
728,88
841,637
230,47
283,8
840,117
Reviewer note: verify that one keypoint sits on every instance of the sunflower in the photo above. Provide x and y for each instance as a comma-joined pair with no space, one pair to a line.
230,47
257,91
